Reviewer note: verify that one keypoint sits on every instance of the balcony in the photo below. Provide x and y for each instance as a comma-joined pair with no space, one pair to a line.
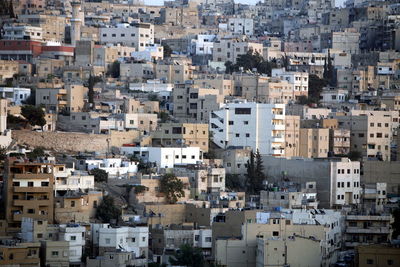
31,189
370,230
280,127
277,151
30,176
278,139
278,116
34,202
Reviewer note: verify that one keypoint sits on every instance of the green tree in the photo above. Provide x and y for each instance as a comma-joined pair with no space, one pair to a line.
91,83
329,71
315,86
36,153
188,256
100,175
163,116
171,187
107,210
114,69
167,51
34,115
255,175
396,223
232,182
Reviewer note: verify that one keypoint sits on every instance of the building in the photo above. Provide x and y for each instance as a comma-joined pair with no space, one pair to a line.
16,96
165,157
292,136
338,179
26,182
8,69
371,133
314,142
113,239
298,79
55,253
228,49
249,124
363,229
75,235
14,253
173,134
241,26
137,35
339,141
377,255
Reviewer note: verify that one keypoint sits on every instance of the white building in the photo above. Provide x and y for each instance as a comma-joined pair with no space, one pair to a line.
255,125
75,234
150,53
113,166
73,180
137,35
333,95
166,157
203,45
15,95
241,26
22,32
129,239
152,86
298,79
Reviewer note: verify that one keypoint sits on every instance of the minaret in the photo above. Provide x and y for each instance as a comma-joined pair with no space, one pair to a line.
76,23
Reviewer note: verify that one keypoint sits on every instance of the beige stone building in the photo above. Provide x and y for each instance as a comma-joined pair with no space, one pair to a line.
292,136
390,101
20,254
77,207
371,134
28,192
194,104
8,69
53,26
382,172
185,16
174,73
175,134
223,83
228,49
55,253
377,255
314,142
70,98
46,67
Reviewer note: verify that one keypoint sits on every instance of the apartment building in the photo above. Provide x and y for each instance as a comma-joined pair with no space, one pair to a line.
204,179
228,49
174,72
245,251
111,239
314,142
290,196
173,134
68,98
14,253
140,71
28,192
339,141
371,133
249,124
338,180
235,159
22,32
53,26
240,26
298,79
75,235
292,136
194,104
55,253
180,15
137,35
363,229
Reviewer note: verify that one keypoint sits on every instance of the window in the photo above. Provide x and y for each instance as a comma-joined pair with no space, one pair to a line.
247,135
275,233
54,253
72,203
196,238
31,211
45,183
73,238
390,262
30,184
230,122
208,239
108,240
242,111
370,261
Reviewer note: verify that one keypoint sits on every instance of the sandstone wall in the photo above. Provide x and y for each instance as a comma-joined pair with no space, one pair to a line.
73,142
